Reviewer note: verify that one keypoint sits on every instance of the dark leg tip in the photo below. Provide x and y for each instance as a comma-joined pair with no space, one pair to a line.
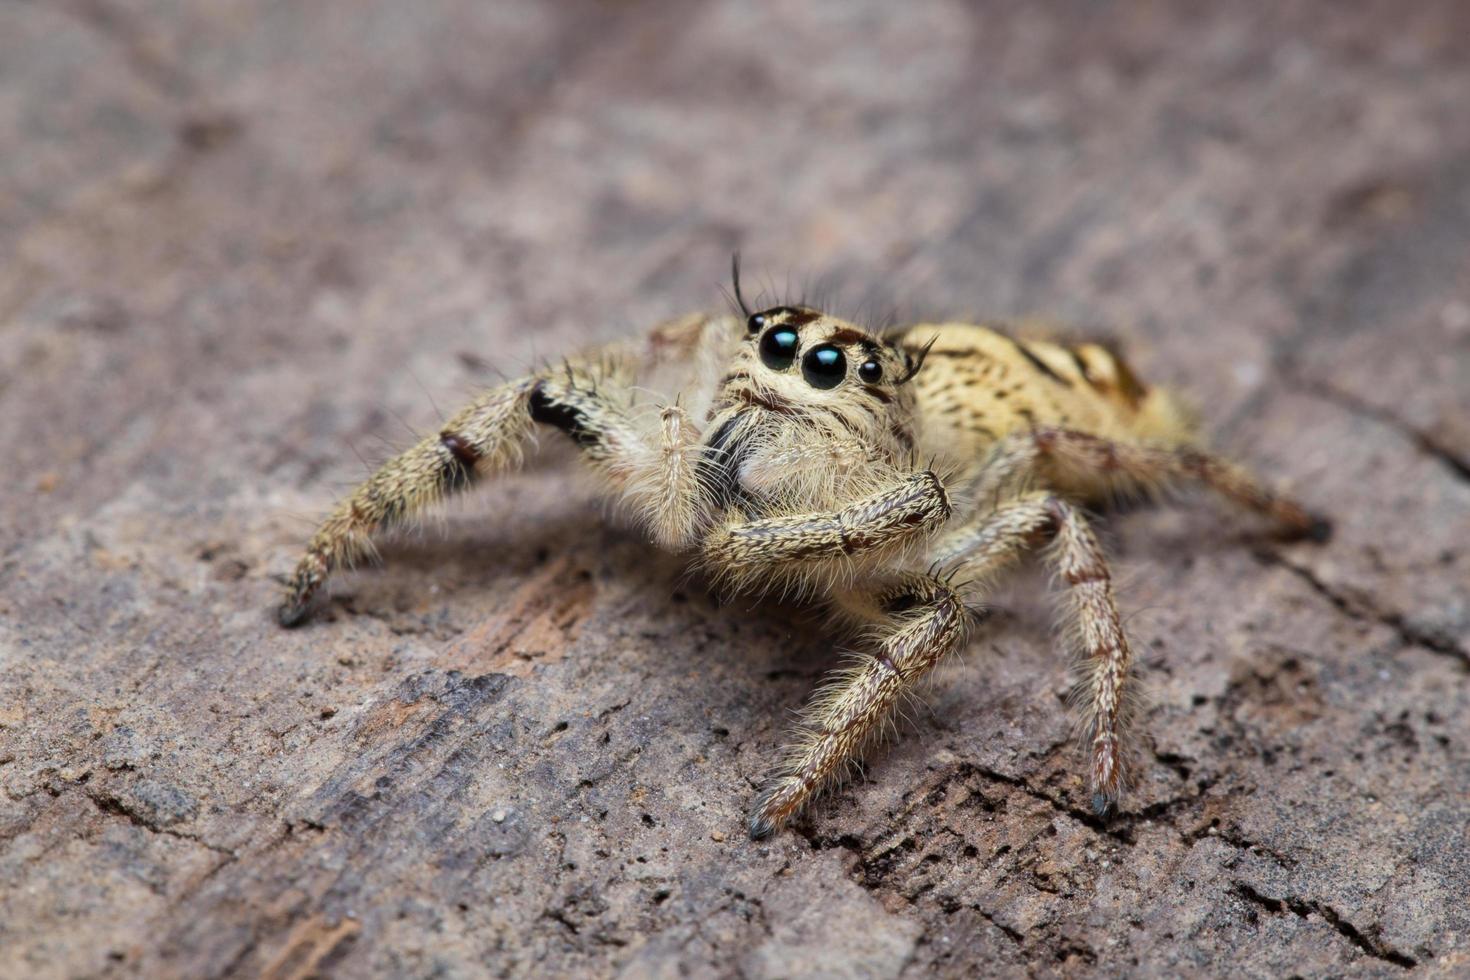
1102,806
760,827
292,613
1320,530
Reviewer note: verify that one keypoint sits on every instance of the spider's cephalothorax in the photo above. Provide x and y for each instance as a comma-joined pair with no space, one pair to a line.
806,455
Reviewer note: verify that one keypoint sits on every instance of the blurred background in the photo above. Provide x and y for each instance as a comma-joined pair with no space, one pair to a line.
245,246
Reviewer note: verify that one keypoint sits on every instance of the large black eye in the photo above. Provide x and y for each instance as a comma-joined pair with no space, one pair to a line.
824,367
778,348
756,323
870,371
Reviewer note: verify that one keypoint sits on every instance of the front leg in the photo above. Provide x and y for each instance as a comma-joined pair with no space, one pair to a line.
922,620
756,555
586,400
486,436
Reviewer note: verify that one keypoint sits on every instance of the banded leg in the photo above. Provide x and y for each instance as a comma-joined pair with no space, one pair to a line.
1073,458
999,538
755,554
485,436
925,621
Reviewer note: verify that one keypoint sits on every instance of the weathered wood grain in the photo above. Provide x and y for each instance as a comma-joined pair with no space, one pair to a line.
243,245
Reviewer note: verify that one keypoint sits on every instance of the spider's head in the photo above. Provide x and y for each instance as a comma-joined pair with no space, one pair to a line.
801,362
811,407
801,359
807,386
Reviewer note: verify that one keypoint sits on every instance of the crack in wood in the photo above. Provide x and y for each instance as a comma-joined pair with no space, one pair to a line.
1303,909
1361,608
1459,466
115,807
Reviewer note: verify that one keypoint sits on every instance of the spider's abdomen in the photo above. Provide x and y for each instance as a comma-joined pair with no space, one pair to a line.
979,385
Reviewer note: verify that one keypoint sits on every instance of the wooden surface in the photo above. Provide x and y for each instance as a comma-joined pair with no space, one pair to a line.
245,245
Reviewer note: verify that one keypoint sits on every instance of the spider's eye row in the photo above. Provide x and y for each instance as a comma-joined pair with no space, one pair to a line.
756,323
778,348
870,371
824,366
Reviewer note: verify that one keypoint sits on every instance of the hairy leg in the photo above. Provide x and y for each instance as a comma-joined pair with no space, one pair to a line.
484,437
587,399
664,488
801,547
924,620
996,540
1072,458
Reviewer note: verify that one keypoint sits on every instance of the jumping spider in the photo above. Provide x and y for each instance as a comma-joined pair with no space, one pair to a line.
791,462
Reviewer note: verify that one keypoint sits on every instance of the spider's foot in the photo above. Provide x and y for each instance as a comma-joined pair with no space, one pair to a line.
292,613
302,591
301,598
776,805
1300,524
760,827
1107,775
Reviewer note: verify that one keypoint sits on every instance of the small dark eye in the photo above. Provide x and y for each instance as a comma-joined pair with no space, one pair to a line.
778,348
824,367
871,372
756,323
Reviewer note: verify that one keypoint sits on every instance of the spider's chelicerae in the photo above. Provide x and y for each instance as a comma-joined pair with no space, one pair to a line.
805,454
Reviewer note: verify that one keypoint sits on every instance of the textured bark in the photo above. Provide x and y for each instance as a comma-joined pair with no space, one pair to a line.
242,245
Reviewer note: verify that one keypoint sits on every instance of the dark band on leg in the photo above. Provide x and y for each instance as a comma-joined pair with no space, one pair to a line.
560,415
901,603
459,469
